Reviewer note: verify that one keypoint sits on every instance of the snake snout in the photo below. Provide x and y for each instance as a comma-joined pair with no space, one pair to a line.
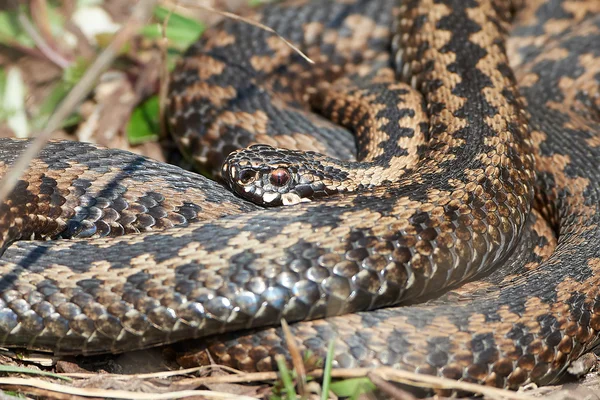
272,177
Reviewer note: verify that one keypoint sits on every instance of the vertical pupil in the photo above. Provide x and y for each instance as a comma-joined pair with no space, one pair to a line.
279,177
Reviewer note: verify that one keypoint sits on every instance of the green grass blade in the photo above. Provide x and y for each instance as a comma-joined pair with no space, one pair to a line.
23,370
144,125
352,387
180,31
286,378
327,371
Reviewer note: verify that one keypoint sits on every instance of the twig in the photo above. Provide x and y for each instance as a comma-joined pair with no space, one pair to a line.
41,44
164,77
118,394
141,13
10,43
39,15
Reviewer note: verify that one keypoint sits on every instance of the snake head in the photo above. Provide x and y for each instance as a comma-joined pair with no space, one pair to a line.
270,176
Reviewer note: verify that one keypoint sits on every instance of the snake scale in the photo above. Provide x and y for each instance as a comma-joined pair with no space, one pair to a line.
227,269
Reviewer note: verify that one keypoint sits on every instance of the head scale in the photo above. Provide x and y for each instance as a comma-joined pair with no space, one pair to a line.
270,176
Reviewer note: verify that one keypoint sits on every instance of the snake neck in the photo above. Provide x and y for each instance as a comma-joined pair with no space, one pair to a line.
272,176
389,122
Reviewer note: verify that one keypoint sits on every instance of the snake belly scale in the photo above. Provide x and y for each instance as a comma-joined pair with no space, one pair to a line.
225,265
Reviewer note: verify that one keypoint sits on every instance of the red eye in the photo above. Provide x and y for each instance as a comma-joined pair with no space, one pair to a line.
279,177
247,176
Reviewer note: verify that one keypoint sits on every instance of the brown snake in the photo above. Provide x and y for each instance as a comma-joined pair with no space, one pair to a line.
462,210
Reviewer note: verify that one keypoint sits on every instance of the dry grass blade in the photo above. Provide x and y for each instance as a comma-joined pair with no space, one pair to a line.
41,44
241,378
162,374
434,382
389,389
118,394
390,374
40,17
140,15
192,4
297,361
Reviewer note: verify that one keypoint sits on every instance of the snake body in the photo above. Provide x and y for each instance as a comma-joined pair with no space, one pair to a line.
226,265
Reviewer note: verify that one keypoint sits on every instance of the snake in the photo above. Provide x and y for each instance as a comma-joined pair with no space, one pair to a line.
471,254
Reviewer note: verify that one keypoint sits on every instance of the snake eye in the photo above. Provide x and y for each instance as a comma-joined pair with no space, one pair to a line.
279,177
247,176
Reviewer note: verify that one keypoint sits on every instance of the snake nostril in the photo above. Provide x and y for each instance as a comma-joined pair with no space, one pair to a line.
279,177
247,176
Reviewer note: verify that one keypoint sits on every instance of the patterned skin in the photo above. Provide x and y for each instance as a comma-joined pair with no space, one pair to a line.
464,208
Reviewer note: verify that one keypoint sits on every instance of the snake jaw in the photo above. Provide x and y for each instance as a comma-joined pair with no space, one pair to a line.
289,199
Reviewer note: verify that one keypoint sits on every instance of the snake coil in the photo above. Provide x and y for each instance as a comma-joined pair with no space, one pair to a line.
443,191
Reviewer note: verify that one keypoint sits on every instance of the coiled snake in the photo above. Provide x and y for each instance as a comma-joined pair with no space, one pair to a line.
442,212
